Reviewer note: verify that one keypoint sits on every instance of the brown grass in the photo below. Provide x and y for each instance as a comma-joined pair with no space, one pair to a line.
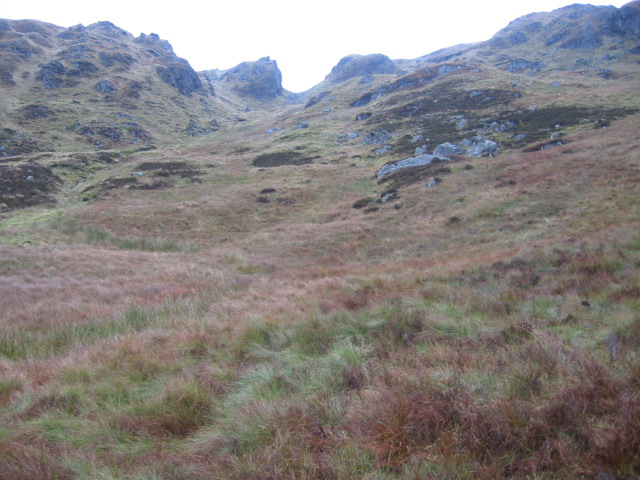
303,338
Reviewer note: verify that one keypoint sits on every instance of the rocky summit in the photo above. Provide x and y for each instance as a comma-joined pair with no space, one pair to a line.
420,268
259,80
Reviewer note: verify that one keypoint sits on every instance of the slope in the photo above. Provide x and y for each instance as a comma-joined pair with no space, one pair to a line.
261,302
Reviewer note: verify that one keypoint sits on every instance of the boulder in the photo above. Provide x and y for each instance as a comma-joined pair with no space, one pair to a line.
105,86
482,146
379,136
409,162
449,149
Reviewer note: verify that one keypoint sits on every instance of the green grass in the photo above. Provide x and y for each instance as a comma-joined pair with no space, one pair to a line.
42,343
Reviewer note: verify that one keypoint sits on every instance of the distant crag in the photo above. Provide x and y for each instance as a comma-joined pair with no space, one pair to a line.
353,66
260,80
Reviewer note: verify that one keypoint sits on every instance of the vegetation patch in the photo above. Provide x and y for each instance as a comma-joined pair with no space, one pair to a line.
279,159
167,169
27,185
14,143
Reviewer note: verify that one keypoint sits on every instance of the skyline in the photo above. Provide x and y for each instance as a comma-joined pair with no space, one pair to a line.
306,43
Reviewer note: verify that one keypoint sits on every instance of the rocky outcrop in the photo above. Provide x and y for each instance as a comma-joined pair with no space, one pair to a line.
51,74
179,74
353,66
154,41
259,80
379,136
476,147
418,161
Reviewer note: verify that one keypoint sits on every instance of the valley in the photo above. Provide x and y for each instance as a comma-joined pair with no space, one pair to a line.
421,268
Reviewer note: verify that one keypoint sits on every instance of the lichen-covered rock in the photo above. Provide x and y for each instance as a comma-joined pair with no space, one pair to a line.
482,146
105,86
449,149
50,74
379,136
179,74
409,162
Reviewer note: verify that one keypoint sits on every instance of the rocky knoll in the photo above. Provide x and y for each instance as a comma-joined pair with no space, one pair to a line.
96,87
353,66
576,37
260,80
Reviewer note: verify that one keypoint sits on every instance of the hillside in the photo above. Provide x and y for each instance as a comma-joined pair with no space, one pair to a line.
423,268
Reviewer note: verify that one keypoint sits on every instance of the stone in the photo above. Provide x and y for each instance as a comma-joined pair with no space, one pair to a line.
274,130
482,146
302,124
387,197
379,136
448,149
420,151
105,86
461,121
408,163
353,135
384,150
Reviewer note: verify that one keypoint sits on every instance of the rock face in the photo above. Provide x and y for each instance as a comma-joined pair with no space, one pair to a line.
260,80
179,74
569,30
353,66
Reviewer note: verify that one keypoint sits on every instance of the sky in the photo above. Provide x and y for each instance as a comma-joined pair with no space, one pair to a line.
306,38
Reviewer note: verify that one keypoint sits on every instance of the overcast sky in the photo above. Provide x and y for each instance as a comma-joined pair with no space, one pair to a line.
306,38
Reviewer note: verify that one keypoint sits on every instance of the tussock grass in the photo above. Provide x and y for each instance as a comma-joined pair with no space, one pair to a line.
306,339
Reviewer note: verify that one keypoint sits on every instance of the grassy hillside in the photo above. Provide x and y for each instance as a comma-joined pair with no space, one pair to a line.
242,305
